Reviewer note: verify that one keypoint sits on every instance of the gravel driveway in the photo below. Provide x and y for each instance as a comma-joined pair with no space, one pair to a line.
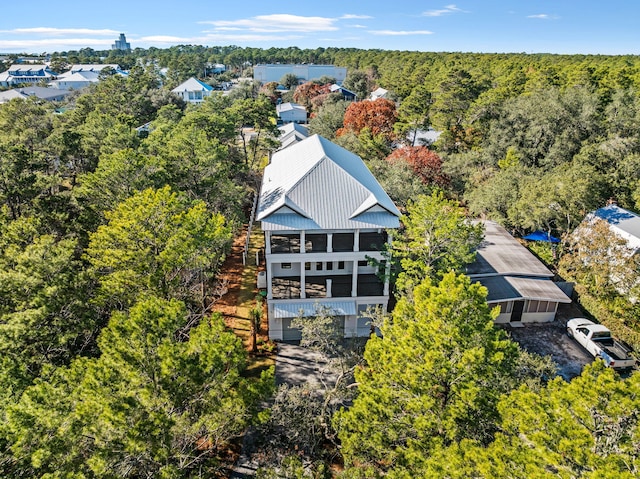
550,339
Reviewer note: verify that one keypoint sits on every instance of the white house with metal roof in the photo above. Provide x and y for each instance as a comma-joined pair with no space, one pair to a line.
291,133
193,90
20,74
43,93
323,215
623,223
516,280
291,113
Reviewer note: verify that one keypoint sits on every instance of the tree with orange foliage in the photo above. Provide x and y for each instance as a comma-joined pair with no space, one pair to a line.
378,116
308,91
424,162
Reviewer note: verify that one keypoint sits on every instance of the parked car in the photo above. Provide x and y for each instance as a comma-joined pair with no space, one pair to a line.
597,340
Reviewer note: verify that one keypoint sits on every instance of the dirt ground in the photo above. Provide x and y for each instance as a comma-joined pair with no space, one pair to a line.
235,304
550,339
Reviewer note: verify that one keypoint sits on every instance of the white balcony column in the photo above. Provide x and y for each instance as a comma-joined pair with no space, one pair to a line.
329,242
387,269
303,277
269,280
354,279
356,240
303,249
329,283
267,242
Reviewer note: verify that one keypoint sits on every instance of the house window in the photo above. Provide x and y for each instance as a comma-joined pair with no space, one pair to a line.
505,306
319,266
307,266
340,264
329,266
533,306
285,265
363,263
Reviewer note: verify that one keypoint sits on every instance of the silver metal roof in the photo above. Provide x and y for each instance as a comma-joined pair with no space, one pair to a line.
620,218
501,254
316,184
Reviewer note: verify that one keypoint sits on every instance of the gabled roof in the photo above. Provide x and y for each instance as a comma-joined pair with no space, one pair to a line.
623,220
80,76
192,84
290,128
43,93
316,184
93,67
378,93
6,96
28,68
289,106
335,87
291,133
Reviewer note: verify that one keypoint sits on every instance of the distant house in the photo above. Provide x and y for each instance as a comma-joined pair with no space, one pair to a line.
193,90
292,133
274,72
623,223
291,113
346,94
379,93
94,67
75,81
423,137
216,68
81,76
20,74
515,279
323,215
47,94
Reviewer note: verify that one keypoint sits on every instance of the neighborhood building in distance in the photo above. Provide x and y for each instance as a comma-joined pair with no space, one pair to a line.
324,217
193,90
291,113
121,44
275,72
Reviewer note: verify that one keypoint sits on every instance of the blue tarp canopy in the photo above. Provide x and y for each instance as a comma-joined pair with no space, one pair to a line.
541,236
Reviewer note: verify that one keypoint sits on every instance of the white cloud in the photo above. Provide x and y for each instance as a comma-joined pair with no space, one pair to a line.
544,16
443,11
281,22
52,44
61,31
400,32
350,16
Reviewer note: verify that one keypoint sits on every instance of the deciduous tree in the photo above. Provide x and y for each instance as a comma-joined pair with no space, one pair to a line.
378,116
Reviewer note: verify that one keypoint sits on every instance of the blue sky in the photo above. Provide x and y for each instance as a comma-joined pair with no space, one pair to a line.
530,26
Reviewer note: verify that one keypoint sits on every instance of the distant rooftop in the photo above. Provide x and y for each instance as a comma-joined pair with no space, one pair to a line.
622,219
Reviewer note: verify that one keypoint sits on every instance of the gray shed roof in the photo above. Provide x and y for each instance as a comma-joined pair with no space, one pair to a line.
501,254
509,288
316,184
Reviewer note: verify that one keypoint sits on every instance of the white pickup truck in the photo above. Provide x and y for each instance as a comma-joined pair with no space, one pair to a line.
597,339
